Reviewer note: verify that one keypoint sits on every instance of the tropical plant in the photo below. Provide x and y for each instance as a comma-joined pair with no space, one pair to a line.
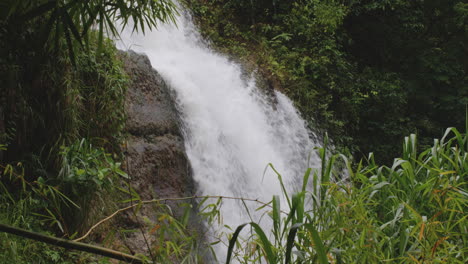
410,212
74,19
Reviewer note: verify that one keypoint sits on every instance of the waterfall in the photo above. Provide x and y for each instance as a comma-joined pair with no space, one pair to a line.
232,129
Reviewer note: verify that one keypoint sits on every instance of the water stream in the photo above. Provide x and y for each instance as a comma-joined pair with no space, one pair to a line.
232,129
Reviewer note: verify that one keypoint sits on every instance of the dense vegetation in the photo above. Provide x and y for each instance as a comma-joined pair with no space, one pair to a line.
61,116
367,72
410,212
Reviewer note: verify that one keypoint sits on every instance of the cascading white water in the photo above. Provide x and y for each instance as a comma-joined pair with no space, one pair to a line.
232,129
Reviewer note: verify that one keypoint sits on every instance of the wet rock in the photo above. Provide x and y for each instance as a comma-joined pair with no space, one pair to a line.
155,153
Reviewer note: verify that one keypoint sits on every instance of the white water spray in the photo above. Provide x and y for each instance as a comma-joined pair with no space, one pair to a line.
232,129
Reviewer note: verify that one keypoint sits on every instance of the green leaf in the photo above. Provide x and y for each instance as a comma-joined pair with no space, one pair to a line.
71,26
306,179
285,193
122,173
232,242
276,216
265,243
39,11
319,248
290,241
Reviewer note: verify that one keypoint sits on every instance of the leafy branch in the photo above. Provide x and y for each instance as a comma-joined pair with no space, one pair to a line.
73,19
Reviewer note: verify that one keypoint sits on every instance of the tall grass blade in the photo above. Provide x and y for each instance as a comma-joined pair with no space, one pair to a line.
265,243
290,241
276,216
281,183
306,179
298,201
290,216
232,242
319,248
323,154
271,257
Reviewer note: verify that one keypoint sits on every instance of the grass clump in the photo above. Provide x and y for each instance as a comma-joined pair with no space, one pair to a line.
410,212
57,206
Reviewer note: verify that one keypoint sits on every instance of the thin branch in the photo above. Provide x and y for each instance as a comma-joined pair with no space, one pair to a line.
170,199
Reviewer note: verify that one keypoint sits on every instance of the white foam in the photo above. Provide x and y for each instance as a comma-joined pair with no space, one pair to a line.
232,129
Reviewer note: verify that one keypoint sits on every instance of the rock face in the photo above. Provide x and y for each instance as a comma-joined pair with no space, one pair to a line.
155,148
155,153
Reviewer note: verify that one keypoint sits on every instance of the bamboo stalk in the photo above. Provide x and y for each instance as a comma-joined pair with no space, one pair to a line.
71,244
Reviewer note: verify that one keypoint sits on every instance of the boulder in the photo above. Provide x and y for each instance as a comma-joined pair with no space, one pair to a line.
155,156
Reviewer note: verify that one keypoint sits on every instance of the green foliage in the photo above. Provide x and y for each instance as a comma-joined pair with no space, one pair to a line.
64,200
411,212
21,197
60,75
73,20
87,168
22,251
174,232
63,104
64,177
94,95
175,240
87,174
55,204
33,206
61,113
